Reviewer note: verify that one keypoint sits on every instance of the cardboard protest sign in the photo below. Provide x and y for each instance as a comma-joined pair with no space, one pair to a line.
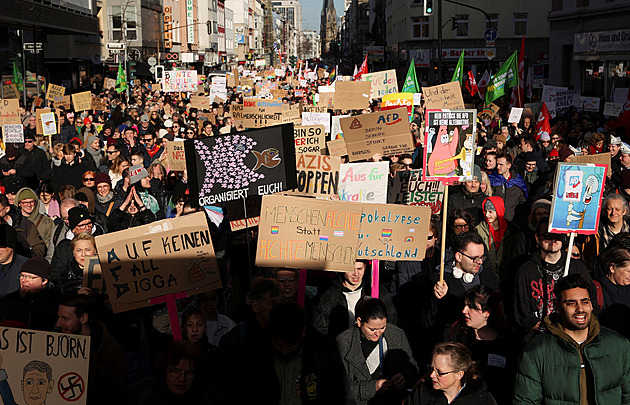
13,133
577,198
93,275
259,112
599,158
337,147
240,224
200,102
316,118
43,367
10,112
98,104
307,233
109,83
210,117
364,182
279,94
65,103
55,92
589,104
164,257
179,80
515,115
10,91
393,232
383,82
612,109
449,145
292,114
39,120
156,86
316,108
176,155
82,101
309,139
351,95
320,73
326,99
230,167
409,189
397,100
317,175
443,96
488,112
384,132
49,124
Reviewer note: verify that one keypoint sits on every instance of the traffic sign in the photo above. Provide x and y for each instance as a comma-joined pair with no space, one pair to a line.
490,54
33,47
133,54
152,61
115,45
490,35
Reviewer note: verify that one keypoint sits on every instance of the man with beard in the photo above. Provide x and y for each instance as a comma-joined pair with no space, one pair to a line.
591,362
35,303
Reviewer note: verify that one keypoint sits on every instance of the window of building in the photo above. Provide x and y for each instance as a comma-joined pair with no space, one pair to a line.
129,21
581,3
462,25
520,24
420,27
492,21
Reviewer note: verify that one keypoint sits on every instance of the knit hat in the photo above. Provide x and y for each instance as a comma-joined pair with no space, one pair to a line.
91,139
491,143
8,236
29,135
137,173
86,121
169,137
542,203
529,157
500,138
564,153
144,118
545,137
102,178
477,173
489,206
11,151
38,266
24,194
76,215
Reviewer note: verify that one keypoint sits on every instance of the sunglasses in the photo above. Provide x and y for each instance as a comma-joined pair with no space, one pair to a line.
550,236
109,152
89,179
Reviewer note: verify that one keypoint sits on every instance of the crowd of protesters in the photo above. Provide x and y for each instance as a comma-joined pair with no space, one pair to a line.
505,324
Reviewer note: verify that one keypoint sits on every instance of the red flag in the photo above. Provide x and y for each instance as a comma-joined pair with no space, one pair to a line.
624,116
518,92
471,84
362,70
543,126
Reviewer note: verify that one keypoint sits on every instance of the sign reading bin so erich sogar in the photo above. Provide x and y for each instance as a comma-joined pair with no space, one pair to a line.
236,166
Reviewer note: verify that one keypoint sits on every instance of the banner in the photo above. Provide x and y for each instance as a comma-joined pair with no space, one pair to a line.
164,257
179,80
550,92
384,132
10,112
364,182
351,95
577,198
55,92
82,101
176,155
447,95
409,189
230,167
316,118
43,367
449,145
13,133
311,139
566,99
383,82
317,175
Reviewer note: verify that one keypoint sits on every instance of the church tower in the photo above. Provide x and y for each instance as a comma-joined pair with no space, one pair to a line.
328,26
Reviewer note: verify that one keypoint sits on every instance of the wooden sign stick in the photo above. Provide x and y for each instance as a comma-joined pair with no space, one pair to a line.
301,288
443,247
375,279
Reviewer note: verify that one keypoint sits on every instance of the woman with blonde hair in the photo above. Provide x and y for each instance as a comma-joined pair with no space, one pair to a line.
119,164
485,186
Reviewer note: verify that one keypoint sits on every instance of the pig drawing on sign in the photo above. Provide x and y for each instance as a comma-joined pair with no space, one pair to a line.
442,160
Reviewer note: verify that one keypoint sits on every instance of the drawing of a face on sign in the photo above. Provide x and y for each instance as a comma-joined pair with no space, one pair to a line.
37,382
449,145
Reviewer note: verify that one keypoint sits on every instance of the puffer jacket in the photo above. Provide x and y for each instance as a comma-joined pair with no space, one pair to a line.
549,370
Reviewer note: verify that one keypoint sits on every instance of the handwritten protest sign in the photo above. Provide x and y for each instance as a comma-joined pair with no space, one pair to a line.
200,102
230,167
65,103
292,114
176,155
93,275
447,96
384,132
156,86
82,101
589,104
109,83
49,124
316,118
383,82
515,115
240,224
352,95
317,175
316,108
259,113
599,158
43,367
397,100
13,133
309,139
9,112
39,120
307,233
55,92
612,109
550,93
10,91
488,112
409,189
577,198
449,145
326,99
179,80
98,104
566,99
364,182
337,147
393,232
164,257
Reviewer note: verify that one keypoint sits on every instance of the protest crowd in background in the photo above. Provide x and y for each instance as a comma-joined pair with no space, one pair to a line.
505,324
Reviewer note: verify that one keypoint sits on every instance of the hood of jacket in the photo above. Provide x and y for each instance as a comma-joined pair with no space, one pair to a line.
496,234
553,322
24,193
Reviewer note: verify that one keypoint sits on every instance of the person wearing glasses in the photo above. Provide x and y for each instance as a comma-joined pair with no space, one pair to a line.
38,160
35,303
153,151
28,203
453,379
107,370
536,278
376,356
459,221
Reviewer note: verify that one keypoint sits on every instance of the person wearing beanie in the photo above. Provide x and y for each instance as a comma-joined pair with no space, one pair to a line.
40,165
469,197
36,301
565,153
140,179
10,262
85,197
27,203
68,129
105,197
88,129
145,125
93,150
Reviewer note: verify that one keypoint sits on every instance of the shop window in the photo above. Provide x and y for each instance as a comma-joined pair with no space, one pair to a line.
520,24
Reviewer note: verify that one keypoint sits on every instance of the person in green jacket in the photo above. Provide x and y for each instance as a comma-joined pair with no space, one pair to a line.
576,361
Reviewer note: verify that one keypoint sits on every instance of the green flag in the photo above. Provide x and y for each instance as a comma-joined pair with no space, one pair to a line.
458,75
121,81
506,77
411,84
17,77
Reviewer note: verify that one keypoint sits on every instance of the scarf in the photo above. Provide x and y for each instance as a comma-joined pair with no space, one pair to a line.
106,199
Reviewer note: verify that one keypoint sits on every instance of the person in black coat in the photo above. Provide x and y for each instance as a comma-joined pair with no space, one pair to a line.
131,212
39,163
68,130
70,172
15,169
613,273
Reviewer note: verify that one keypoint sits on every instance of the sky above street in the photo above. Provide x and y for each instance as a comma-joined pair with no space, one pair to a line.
312,11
